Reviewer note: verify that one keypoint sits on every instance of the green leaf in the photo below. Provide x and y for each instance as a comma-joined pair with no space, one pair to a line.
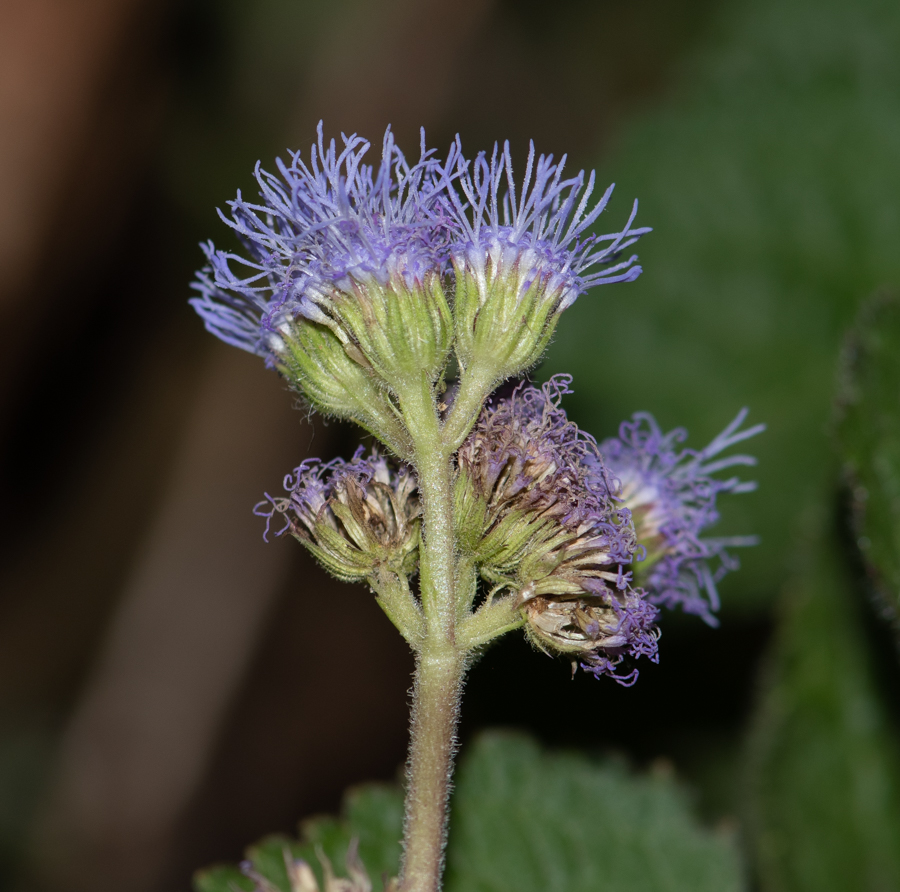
528,820
221,878
372,814
869,439
824,791
770,175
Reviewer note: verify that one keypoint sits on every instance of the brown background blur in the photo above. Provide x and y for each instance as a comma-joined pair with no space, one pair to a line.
170,686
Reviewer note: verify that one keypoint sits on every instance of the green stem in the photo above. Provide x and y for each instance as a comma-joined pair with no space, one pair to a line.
489,622
396,600
474,388
440,665
438,686
437,561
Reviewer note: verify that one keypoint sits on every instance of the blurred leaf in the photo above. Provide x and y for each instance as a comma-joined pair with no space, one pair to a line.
770,177
824,792
869,438
221,878
523,819
528,820
372,814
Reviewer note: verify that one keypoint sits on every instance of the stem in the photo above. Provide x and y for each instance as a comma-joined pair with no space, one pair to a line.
438,686
437,562
441,664
490,621
396,600
474,388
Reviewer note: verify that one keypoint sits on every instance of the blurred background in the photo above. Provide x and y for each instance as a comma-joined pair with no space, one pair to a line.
170,686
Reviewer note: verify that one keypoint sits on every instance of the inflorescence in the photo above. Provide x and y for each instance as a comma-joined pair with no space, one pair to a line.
541,517
358,284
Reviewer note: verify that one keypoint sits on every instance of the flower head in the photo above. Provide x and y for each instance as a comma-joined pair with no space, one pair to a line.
355,516
320,228
521,257
336,244
671,492
540,518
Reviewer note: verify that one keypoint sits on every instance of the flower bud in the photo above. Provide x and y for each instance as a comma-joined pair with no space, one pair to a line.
519,262
355,517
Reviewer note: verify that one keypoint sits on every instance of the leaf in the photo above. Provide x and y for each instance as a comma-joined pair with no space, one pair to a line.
824,791
770,177
372,814
527,820
221,878
523,819
869,439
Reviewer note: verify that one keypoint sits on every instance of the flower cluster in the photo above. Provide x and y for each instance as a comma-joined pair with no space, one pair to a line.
355,517
342,284
671,493
539,515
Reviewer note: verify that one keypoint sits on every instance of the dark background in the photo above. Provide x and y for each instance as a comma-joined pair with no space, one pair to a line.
171,687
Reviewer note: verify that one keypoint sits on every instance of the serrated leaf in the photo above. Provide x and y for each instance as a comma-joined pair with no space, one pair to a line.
824,792
869,440
528,820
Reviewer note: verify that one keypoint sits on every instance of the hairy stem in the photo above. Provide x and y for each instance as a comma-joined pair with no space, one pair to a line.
474,388
437,561
439,676
440,663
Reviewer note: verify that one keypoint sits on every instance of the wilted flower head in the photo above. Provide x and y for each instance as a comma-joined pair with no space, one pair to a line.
671,492
355,516
540,518
522,256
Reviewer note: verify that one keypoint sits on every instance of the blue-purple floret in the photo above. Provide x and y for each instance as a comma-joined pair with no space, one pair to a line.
677,488
637,627
318,227
544,227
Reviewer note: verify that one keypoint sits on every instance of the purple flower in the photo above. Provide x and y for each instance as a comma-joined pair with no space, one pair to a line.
671,492
321,227
353,516
540,234
539,516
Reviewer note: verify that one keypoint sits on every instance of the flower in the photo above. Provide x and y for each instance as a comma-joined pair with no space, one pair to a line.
520,259
539,517
671,494
341,276
355,517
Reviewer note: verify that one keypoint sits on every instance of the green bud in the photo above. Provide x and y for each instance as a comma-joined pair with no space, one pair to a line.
319,366
395,332
503,324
